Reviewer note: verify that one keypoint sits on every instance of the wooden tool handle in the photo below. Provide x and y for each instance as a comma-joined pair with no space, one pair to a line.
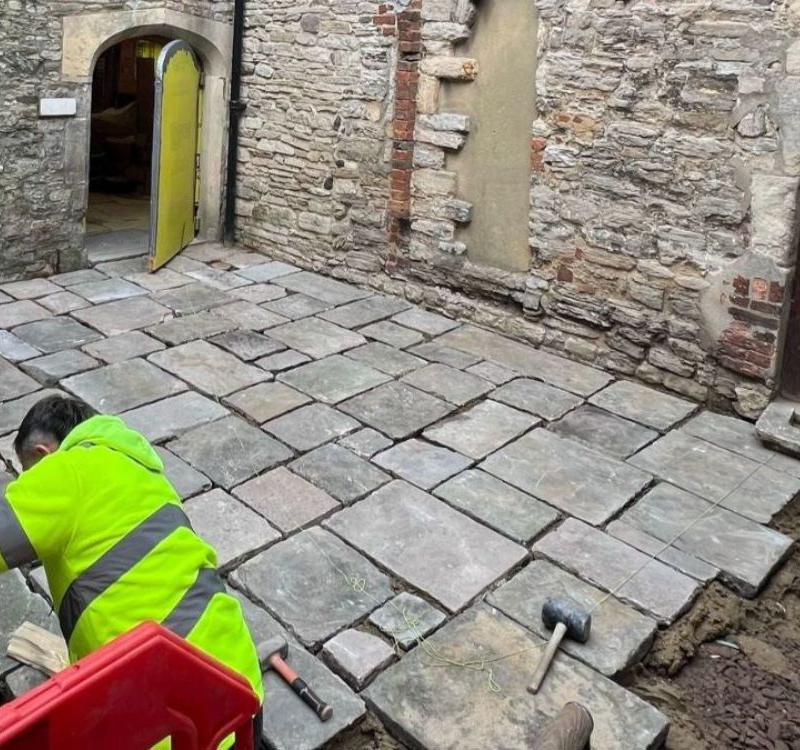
570,730
547,657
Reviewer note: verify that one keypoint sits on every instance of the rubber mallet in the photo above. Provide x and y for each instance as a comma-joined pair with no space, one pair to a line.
272,655
564,616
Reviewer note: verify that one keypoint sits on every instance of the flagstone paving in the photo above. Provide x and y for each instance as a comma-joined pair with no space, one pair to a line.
372,472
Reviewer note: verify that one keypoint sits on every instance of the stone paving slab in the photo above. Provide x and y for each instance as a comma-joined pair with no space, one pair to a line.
386,358
123,386
446,382
24,679
193,298
263,626
229,526
603,431
13,412
286,500
266,401
391,334
776,426
5,298
200,325
30,288
125,315
541,399
428,322
301,581
620,635
171,417
259,293
743,550
296,306
260,272
454,558
606,562
208,368
421,463
396,409
124,346
107,290
128,266
14,349
125,243
365,311
217,278
406,619
159,281
644,405
14,314
51,368
357,657
562,373
316,338
322,288
229,451
366,443
187,481
730,433
565,474
311,426
492,372
251,317
334,378
431,708
63,302
339,472
281,361
247,345
71,278
55,334
444,355
8,456
498,505
14,383
482,429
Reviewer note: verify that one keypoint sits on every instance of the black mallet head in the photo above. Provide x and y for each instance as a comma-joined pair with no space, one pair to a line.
567,611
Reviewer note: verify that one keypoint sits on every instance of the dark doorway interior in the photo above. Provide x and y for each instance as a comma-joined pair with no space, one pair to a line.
123,97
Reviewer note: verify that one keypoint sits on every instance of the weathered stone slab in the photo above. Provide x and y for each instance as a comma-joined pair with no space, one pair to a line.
365,311
397,410
13,412
682,561
159,281
422,320
322,288
340,473
421,463
266,401
386,358
125,243
200,325
13,314
193,298
730,433
620,635
406,619
251,317
316,338
366,443
259,293
77,277
14,349
289,724
333,379
357,657
453,385
311,426
263,626
129,266
644,405
107,290
743,550
285,499
445,355
186,480
778,425
125,315
173,416
267,271
230,527
282,361
124,346
63,302
391,334
14,383
247,345
606,562
579,481
297,306
51,368
786,464
482,429
454,558
443,709
498,505
562,373
230,451
56,334
208,368
8,456
217,278
603,431
122,386
538,398
492,372
302,582
24,679
30,288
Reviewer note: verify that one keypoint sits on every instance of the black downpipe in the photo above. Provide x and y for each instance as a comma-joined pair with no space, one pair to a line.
237,107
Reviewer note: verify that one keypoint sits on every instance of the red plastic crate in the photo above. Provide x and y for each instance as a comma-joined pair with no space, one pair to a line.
146,685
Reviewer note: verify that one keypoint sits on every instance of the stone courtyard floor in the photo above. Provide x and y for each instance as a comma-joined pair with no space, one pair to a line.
397,492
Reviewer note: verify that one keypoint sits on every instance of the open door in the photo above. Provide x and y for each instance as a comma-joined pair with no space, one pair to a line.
175,138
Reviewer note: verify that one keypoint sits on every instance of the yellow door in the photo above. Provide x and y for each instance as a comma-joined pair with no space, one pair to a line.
175,139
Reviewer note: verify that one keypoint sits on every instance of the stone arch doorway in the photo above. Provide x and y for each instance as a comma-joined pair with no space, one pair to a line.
87,37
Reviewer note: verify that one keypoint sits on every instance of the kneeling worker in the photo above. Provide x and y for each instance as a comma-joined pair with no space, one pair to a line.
94,506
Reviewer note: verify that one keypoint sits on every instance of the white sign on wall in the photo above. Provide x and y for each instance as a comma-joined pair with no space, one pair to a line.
58,107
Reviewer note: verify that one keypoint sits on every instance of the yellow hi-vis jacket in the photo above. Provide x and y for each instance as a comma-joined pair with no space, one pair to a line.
118,549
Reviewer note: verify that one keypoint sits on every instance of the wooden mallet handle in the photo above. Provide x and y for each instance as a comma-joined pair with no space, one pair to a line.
298,685
547,657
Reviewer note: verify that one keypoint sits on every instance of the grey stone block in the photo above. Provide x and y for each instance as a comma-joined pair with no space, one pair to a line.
263,626
543,400
186,480
230,451
267,271
340,473
56,334
620,635
644,405
266,401
391,334
208,368
247,345
442,709
492,372
13,412
435,351
173,416
259,293
286,500
563,473
453,559
322,288
193,298
122,386
498,505
14,314
128,266
446,382
357,657
14,349
159,281
125,243
311,426
406,619
63,302
422,320
778,426
386,358
333,379
24,679
107,290
307,580
200,325
366,443
230,527
421,463
316,338
482,429
217,278
297,306
71,278
125,315
743,550
396,409
608,563
51,368
730,433
250,317
365,311
124,346
14,383
282,361
29,288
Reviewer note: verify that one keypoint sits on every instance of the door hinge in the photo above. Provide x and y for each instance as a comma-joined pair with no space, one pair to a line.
202,79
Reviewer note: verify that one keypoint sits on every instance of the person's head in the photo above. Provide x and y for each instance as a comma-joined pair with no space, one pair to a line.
46,424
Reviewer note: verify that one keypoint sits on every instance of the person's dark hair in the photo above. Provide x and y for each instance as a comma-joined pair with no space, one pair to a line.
51,418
